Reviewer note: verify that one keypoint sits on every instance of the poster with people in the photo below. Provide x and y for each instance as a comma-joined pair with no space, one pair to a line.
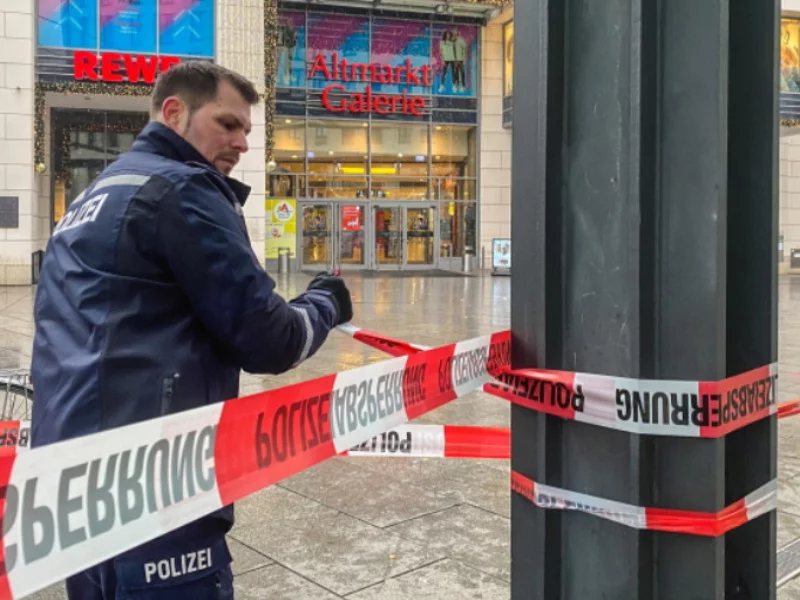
455,59
291,49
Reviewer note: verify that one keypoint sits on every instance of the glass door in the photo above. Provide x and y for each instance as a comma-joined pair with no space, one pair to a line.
404,237
350,228
388,224
333,236
317,236
420,233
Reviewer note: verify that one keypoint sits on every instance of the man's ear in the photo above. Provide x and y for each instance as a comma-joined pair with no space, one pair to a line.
172,112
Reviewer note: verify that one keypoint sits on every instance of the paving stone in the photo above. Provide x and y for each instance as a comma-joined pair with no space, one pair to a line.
246,559
470,535
52,592
276,504
278,583
338,552
462,480
373,496
443,580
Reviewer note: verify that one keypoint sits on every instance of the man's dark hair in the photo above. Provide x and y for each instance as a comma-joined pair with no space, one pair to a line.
197,83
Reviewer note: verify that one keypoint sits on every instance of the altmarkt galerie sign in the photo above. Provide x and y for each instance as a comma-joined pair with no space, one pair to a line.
368,101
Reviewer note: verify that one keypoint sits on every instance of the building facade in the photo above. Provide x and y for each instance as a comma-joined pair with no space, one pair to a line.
385,148
389,150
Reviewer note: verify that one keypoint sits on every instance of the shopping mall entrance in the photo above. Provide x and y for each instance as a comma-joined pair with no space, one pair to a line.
353,235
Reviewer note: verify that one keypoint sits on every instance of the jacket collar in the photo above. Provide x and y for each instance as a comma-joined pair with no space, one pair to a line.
157,138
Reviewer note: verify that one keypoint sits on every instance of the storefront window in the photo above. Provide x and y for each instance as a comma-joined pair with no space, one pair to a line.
457,229
85,142
399,161
337,159
508,59
790,55
454,151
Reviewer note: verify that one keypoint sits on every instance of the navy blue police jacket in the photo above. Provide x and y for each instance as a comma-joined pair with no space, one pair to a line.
151,299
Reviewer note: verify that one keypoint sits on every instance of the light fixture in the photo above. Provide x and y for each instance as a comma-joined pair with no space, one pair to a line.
365,124
330,152
287,120
294,155
400,154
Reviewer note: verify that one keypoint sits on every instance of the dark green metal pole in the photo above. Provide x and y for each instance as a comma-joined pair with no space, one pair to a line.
644,221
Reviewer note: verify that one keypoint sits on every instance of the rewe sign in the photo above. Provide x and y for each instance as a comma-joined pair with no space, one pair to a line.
116,67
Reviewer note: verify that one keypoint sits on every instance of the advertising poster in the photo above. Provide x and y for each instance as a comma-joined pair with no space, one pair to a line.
281,226
128,26
508,59
501,254
455,60
186,28
352,218
396,42
291,49
790,55
343,36
70,24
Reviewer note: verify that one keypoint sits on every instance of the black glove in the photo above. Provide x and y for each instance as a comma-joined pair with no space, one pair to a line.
338,292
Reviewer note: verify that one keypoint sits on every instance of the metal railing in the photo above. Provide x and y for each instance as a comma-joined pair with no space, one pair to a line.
16,395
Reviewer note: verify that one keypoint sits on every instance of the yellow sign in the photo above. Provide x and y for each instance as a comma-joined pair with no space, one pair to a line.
281,226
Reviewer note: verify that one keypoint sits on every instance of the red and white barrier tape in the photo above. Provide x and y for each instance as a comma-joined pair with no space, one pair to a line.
70,505
651,407
755,504
438,441
701,409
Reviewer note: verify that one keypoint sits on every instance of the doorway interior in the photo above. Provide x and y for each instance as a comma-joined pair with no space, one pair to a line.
83,143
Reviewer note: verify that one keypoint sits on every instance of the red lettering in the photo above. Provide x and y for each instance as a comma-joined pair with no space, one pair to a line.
320,65
367,102
381,102
141,67
326,101
401,100
116,67
386,74
426,75
110,66
84,65
167,62
342,70
411,73
417,106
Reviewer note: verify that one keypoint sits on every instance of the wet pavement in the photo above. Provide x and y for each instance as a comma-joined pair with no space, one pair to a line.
368,528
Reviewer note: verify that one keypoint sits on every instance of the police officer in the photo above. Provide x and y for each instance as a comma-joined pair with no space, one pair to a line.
150,302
